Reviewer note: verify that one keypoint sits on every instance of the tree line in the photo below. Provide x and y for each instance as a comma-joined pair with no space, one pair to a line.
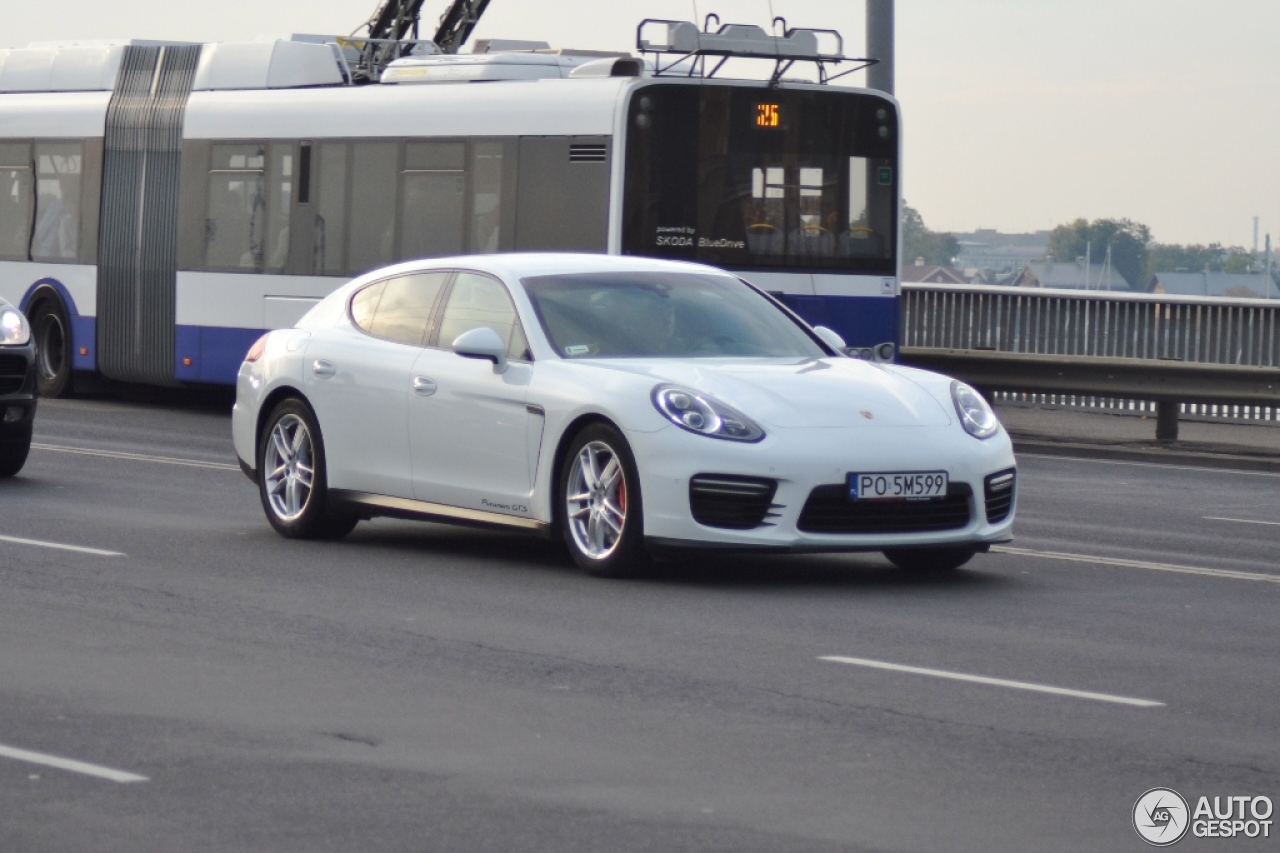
1134,254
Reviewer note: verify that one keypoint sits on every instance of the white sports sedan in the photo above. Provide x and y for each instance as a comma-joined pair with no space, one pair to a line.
623,404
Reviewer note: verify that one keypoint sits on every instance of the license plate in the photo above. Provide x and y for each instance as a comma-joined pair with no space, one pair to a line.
898,485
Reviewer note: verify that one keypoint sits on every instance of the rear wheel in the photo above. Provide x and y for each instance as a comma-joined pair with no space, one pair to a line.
291,476
601,505
13,454
52,332
929,559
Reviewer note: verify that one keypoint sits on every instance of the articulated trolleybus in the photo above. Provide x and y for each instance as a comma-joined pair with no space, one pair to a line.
163,204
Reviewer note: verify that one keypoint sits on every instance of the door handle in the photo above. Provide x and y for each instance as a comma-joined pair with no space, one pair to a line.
323,367
423,386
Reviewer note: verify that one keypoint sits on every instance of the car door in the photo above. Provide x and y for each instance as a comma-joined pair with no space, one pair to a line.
357,377
468,423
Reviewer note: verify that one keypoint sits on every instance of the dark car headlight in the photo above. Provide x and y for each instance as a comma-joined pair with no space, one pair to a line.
14,330
977,417
704,414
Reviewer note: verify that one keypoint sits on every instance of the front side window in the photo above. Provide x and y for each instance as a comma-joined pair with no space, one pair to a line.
749,179
478,301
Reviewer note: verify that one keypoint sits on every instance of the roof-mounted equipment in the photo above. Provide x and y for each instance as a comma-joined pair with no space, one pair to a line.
692,46
392,33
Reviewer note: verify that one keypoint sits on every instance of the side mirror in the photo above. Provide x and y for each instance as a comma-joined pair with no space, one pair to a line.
830,338
483,343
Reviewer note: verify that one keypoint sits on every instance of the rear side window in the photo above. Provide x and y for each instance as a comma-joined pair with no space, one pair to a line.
399,309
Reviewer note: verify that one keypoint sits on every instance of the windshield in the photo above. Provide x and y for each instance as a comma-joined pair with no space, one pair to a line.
647,314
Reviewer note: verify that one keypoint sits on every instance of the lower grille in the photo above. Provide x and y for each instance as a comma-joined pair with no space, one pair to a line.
13,373
829,510
998,491
730,501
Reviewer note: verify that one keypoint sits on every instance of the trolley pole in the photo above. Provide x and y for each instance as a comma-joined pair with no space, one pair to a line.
880,44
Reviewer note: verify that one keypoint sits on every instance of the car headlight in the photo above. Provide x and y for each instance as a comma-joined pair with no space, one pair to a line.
13,326
976,416
703,414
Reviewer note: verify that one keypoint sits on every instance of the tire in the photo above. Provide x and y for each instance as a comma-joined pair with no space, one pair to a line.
52,332
601,512
13,455
291,476
929,559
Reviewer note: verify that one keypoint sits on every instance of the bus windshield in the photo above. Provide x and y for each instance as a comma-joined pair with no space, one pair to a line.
751,178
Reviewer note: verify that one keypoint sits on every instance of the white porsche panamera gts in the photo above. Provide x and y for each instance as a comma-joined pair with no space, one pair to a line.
624,404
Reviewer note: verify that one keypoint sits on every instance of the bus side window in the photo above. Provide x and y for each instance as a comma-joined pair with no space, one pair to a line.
374,173
486,200
433,199
236,221
329,198
57,230
15,200
279,206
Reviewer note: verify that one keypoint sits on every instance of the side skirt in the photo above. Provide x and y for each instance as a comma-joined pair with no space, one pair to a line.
367,505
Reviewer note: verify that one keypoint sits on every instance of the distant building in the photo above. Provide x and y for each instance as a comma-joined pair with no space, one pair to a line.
1072,275
1238,285
988,253
922,273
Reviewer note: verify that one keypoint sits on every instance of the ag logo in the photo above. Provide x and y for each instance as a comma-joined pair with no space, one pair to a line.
1160,816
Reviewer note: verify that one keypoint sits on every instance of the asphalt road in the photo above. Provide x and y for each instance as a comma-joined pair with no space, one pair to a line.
418,687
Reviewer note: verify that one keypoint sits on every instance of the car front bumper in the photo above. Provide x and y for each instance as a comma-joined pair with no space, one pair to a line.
802,460
18,392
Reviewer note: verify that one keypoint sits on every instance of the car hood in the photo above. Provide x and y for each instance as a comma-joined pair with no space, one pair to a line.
827,392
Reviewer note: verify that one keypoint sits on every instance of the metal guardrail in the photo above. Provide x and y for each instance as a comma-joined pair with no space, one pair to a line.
1172,350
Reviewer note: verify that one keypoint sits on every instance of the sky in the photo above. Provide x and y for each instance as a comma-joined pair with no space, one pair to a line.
1019,115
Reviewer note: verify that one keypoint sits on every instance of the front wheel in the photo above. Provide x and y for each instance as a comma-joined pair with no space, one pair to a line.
929,559
13,454
291,476
601,506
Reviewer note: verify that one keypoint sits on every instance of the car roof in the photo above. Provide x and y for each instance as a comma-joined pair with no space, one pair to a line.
516,265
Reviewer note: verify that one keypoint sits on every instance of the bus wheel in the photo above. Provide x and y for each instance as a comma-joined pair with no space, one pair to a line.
52,333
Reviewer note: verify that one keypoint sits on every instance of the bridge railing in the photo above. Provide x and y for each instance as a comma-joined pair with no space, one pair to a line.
1170,350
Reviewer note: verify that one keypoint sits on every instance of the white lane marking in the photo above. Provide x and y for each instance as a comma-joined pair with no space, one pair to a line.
70,764
1137,564
995,682
1232,471
136,457
1241,520
59,546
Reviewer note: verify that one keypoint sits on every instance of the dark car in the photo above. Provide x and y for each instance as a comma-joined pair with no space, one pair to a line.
17,389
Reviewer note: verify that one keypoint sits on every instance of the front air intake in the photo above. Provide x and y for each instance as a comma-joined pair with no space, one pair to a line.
830,510
998,492
731,502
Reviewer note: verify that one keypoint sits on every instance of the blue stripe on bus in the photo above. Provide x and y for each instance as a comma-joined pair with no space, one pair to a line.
863,321
215,353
